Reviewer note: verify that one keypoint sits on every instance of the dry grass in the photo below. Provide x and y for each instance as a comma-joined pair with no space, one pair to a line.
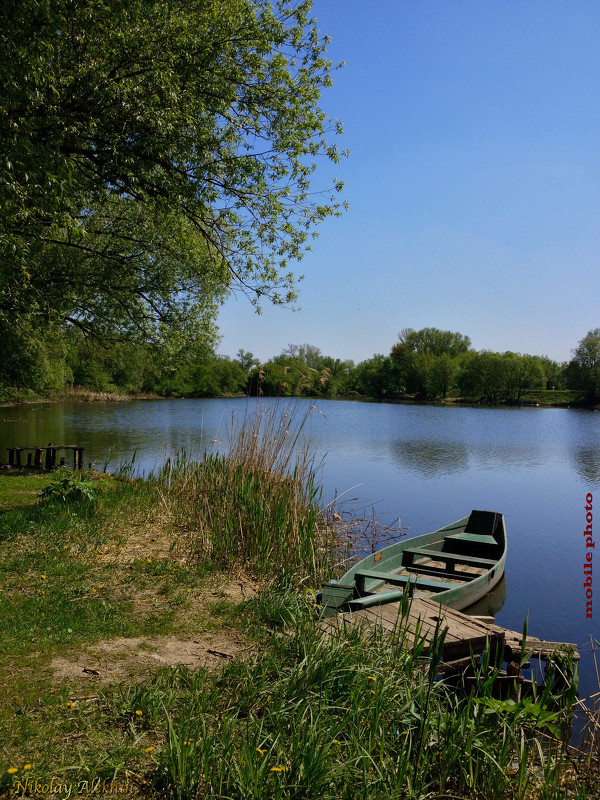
259,504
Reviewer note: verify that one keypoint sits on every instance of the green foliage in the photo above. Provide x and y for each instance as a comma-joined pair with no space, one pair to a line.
583,371
434,341
427,361
500,377
32,357
302,370
155,155
66,489
376,377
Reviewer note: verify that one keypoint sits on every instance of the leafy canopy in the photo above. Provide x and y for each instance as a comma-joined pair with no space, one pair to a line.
157,155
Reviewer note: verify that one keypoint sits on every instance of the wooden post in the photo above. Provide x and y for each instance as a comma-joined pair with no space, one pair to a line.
38,458
52,457
48,458
29,455
11,456
18,455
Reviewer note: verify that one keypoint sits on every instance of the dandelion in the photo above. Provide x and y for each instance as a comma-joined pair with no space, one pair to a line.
27,766
138,713
260,752
93,590
43,577
371,678
280,769
149,560
70,704
336,741
12,770
148,750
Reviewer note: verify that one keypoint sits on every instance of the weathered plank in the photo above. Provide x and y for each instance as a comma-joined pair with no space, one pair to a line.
464,635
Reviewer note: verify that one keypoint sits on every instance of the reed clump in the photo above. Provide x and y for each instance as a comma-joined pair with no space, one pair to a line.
258,504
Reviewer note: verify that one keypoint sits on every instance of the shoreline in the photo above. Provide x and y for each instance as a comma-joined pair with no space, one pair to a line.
83,395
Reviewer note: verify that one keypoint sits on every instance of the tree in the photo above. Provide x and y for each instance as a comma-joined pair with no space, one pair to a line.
247,361
155,156
375,377
434,341
416,356
519,373
583,371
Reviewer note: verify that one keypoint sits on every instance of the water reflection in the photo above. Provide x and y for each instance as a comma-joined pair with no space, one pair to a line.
503,453
431,457
491,604
586,460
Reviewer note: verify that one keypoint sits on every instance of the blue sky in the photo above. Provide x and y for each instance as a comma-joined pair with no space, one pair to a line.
473,182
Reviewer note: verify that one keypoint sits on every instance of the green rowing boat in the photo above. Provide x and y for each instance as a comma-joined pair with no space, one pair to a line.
456,565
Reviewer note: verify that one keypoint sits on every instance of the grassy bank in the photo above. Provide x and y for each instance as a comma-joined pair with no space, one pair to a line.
160,635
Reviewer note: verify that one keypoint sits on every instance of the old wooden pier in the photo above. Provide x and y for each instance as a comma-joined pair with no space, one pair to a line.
46,454
465,636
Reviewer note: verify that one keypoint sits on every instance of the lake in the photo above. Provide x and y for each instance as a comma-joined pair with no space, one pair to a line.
428,465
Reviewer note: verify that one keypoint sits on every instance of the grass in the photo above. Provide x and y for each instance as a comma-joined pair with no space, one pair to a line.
256,505
106,561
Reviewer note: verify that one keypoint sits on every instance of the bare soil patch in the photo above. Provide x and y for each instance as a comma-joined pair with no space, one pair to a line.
135,658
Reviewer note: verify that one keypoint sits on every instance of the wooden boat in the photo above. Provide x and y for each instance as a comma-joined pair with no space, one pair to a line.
456,565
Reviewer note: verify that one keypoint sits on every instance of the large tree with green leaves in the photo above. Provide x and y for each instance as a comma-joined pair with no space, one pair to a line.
583,371
427,360
155,156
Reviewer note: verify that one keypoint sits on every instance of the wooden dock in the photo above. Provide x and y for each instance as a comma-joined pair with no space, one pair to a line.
464,635
47,454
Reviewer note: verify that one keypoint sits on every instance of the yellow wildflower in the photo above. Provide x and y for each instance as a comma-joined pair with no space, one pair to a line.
148,750
149,560
371,678
70,704
336,741
43,577
260,752
12,770
280,769
372,692
138,713
27,766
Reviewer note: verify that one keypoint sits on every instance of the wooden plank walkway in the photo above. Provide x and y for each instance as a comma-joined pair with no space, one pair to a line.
464,634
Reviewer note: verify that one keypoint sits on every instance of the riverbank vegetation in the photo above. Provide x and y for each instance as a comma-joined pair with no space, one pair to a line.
424,365
142,647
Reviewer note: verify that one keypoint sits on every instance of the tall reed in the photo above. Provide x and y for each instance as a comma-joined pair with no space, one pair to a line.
256,505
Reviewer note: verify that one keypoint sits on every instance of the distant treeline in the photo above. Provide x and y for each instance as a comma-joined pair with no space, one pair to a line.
422,365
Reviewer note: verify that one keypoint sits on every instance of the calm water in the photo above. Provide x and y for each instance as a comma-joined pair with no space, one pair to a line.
428,465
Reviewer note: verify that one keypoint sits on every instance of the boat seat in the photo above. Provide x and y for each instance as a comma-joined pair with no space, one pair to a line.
449,558
400,580
474,538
